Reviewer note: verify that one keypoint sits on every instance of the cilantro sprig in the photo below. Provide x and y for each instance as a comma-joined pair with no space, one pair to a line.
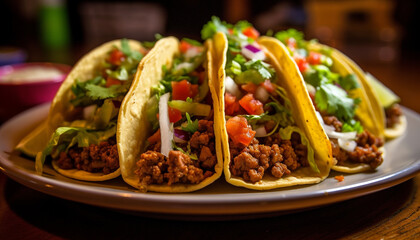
191,127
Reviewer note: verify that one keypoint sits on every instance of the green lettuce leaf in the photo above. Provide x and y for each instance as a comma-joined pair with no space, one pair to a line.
65,137
335,101
191,126
286,133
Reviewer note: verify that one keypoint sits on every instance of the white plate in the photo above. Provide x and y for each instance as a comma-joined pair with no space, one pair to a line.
402,162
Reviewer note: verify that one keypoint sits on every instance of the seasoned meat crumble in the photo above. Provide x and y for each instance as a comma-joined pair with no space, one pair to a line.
154,168
95,158
276,156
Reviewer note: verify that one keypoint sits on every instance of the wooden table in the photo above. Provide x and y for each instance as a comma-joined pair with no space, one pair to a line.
392,213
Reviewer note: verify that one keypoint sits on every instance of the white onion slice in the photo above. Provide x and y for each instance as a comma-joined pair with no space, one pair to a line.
191,52
345,139
262,94
166,127
348,145
260,131
184,65
252,52
232,88
342,135
89,111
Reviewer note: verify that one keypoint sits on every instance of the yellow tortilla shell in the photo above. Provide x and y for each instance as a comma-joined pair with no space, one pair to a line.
302,110
379,111
398,129
61,108
365,111
133,128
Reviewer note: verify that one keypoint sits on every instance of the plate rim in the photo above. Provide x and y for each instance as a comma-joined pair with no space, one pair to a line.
206,203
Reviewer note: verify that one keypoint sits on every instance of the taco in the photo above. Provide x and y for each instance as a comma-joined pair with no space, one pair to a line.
390,117
270,134
167,134
81,125
341,102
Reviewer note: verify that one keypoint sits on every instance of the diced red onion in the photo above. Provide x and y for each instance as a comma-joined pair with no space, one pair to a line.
180,136
260,131
252,52
262,94
232,87
166,127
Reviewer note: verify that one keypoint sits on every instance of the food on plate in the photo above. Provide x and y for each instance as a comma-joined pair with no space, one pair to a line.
168,134
80,131
389,114
270,134
341,102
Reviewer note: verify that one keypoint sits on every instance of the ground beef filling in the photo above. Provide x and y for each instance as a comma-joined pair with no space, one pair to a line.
155,168
276,156
102,157
366,150
393,114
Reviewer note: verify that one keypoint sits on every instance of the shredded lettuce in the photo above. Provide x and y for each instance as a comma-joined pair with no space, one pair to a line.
125,48
191,126
286,134
193,156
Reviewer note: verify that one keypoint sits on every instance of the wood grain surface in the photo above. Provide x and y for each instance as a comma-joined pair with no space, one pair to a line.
392,213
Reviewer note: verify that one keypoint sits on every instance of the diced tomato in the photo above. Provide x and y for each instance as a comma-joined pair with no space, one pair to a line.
251,32
314,58
200,75
183,89
184,46
291,43
174,115
249,87
301,63
111,81
193,90
231,105
116,57
230,30
268,86
239,130
155,137
251,105
339,178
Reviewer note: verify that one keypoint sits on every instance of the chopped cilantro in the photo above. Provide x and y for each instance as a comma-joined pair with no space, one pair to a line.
334,100
349,82
125,48
283,36
352,126
191,127
192,41
212,27
101,93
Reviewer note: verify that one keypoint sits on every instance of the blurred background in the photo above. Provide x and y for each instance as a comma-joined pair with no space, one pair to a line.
377,34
